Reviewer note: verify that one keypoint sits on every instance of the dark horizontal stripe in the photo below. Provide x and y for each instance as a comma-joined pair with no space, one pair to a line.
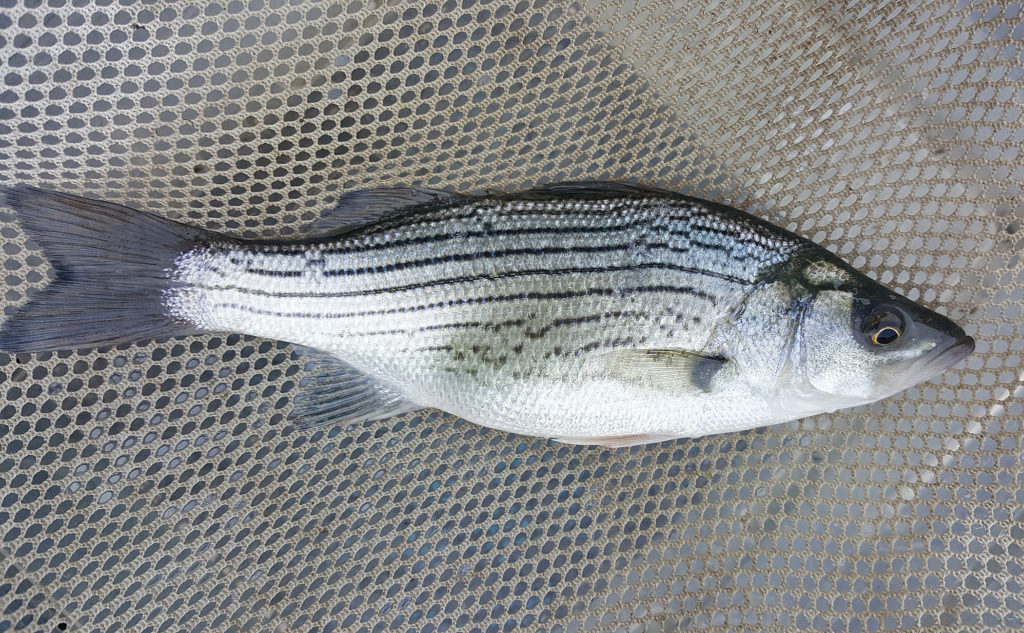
490,254
274,273
493,277
528,333
468,257
523,296
502,209
691,209
495,326
692,213
616,343
441,237
411,222
478,255
593,318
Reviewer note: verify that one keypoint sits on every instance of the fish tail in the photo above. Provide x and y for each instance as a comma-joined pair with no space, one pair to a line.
112,267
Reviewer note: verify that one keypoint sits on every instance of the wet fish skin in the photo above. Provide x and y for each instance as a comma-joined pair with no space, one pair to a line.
587,312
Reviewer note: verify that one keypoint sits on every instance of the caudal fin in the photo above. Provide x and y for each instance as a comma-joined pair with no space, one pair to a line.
112,265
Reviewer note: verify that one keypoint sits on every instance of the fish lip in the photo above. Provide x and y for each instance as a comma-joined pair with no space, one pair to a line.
934,364
961,347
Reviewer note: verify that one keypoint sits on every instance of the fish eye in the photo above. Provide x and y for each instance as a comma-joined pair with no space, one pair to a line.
884,327
886,335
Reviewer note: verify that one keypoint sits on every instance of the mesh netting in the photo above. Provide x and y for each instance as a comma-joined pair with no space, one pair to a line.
155,486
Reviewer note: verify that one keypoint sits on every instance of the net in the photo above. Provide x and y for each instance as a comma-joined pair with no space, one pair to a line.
155,487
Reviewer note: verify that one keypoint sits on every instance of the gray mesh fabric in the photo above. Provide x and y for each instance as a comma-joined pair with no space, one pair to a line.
154,487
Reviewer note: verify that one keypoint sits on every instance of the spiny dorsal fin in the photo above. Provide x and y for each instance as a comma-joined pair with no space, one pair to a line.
588,190
366,206
336,392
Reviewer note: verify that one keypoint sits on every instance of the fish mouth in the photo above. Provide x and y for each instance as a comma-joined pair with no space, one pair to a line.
961,347
932,365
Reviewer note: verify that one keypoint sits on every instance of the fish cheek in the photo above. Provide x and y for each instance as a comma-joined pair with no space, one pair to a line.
835,362
842,371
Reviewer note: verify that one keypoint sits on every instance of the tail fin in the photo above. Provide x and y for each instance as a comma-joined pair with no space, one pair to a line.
112,264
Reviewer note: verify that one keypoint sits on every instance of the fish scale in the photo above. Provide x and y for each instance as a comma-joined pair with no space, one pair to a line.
481,268
479,302
586,312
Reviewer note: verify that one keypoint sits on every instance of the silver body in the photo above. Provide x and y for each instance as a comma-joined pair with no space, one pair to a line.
505,312
595,313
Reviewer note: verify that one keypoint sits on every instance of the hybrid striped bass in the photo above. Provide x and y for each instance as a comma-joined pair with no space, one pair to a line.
595,313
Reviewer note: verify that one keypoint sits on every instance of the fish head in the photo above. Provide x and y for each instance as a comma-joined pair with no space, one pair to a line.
856,342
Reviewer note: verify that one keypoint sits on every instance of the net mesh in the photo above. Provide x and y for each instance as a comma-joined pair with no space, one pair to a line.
154,487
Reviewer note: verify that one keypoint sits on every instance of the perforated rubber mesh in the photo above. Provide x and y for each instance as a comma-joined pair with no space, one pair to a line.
154,487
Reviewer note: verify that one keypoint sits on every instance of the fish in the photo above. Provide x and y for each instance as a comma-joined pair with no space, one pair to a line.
598,313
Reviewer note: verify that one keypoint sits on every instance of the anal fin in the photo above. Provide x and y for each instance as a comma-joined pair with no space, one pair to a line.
336,392
617,441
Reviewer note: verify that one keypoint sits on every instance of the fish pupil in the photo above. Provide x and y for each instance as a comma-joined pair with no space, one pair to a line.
884,327
887,335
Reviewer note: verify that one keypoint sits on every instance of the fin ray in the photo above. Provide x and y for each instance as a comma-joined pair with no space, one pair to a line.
366,206
111,264
617,441
662,369
589,190
336,392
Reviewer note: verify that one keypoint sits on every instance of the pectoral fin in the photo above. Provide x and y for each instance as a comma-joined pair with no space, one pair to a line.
666,370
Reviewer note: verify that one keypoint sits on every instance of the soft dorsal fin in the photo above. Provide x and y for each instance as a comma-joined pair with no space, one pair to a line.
589,190
366,206
336,392
664,370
